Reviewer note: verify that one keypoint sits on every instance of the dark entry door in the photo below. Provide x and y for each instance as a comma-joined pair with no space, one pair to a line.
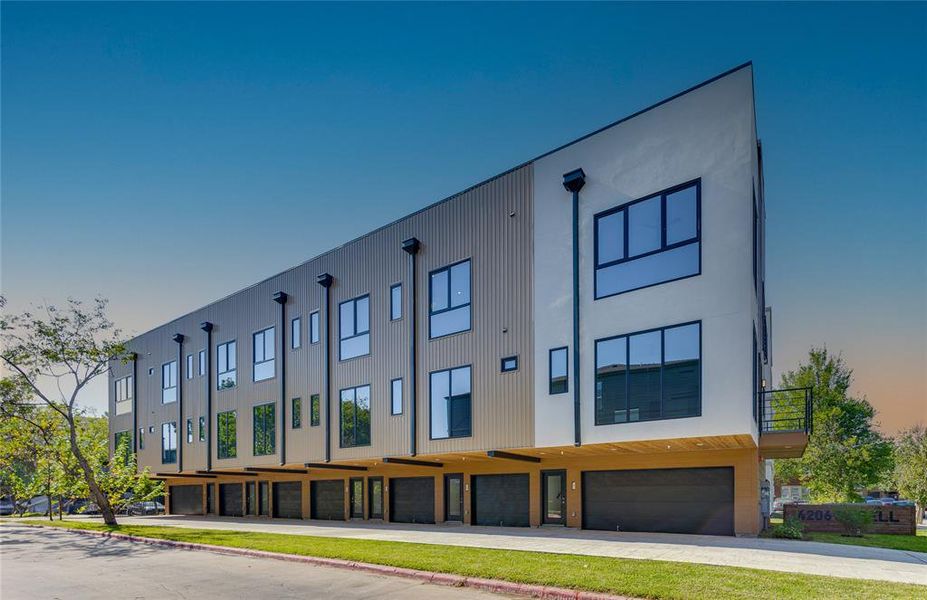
357,498
288,499
210,499
326,500
412,500
375,493
500,500
186,499
230,499
666,500
453,497
553,497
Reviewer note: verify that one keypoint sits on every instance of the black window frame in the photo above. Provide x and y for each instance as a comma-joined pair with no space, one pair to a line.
450,383
202,428
266,425
550,370
170,376
168,459
189,430
341,431
255,362
664,247
392,391
393,306
189,366
141,438
502,367
296,413
224,346
201,366
432,313
314,334
356,333
315,410
296,333
226,449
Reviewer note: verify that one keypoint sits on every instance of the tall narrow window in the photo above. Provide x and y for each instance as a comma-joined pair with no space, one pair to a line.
202,428
296,413
141,438
169,443
169,382
122,446
396,397
227,434
264,428
314,328
202,363
450,403
355,416
395,302
315,410
296,330
226,366
189,367
263,349
123,389
189,431
558,371
354,327
449,309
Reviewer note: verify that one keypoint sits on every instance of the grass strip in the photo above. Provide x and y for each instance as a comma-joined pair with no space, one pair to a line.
909,543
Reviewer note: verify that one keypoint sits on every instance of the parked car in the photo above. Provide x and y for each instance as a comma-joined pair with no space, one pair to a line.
7,506
873,501
886,501
90,509
145,508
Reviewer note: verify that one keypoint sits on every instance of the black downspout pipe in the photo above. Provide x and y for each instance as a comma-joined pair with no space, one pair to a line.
280,298
411,246
133,356
180,431
325,280
573,182
207,327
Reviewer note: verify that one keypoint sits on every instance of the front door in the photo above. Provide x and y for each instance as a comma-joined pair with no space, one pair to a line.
553,497
453,497
375,491
357,498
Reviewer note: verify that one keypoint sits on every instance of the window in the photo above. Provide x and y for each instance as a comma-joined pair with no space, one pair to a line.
226,363
227,438
395,390
648,375
449,311
314,328
509,363
169,382
141,438
122,437
202,363
296,330
263,349
189,431
168,443
559,384
649,241
450,403
189,366
395,302
123,388
202,427
314,410
296,413
354,328
355,416
265,432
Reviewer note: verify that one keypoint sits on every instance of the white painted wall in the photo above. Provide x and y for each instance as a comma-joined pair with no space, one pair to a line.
707,133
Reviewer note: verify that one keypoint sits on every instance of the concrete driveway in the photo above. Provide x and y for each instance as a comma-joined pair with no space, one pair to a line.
46,563
776,555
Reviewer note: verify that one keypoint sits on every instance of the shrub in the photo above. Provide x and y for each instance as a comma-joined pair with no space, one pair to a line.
790,529
855,520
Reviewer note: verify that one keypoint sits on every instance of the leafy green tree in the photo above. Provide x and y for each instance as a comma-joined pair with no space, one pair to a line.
845,452
910,475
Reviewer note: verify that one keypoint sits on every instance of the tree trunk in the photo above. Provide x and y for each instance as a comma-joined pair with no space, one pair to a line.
109,517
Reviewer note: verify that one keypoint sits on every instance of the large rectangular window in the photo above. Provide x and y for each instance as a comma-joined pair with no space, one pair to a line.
354,327
314,328
226,366
559,369
122,438
649,375
449,308
263,348
296,413
395,302
227,434
123,389
296,331
169,382
355,416
264,428
450,403
395,391
315,410
169,443
649,241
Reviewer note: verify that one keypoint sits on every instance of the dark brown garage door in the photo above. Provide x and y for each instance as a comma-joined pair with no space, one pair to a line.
666,500
412,500
500,500
230,496
288,499
326,499
186,499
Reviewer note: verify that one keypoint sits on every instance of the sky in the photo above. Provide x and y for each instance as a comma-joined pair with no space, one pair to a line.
141,142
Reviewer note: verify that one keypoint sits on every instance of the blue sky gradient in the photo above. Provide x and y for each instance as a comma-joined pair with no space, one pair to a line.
138,139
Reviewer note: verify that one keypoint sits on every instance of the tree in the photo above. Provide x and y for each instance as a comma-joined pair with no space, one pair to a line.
845,452
910,473
70,348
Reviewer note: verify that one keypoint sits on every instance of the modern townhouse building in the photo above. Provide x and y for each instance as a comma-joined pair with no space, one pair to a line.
581,340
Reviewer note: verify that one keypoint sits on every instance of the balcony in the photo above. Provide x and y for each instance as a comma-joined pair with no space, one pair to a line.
786,421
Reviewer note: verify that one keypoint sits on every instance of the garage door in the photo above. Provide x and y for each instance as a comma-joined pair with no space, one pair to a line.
230,496
326,500
288,500
500,500
667,500
412,500
186,499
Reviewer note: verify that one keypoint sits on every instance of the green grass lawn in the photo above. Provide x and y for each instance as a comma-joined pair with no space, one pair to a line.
638,578
911,543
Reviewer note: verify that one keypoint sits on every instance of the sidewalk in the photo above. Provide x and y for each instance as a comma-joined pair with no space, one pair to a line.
812,558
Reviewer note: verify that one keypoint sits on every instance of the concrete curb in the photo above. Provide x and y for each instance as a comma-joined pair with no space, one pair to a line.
489,585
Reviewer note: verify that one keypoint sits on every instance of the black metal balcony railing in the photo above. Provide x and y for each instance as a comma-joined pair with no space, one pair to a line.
788,410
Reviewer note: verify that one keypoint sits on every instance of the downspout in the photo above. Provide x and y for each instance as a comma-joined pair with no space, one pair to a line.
133,356
180,431
325,280
207,327
280,298
573,182
411,246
